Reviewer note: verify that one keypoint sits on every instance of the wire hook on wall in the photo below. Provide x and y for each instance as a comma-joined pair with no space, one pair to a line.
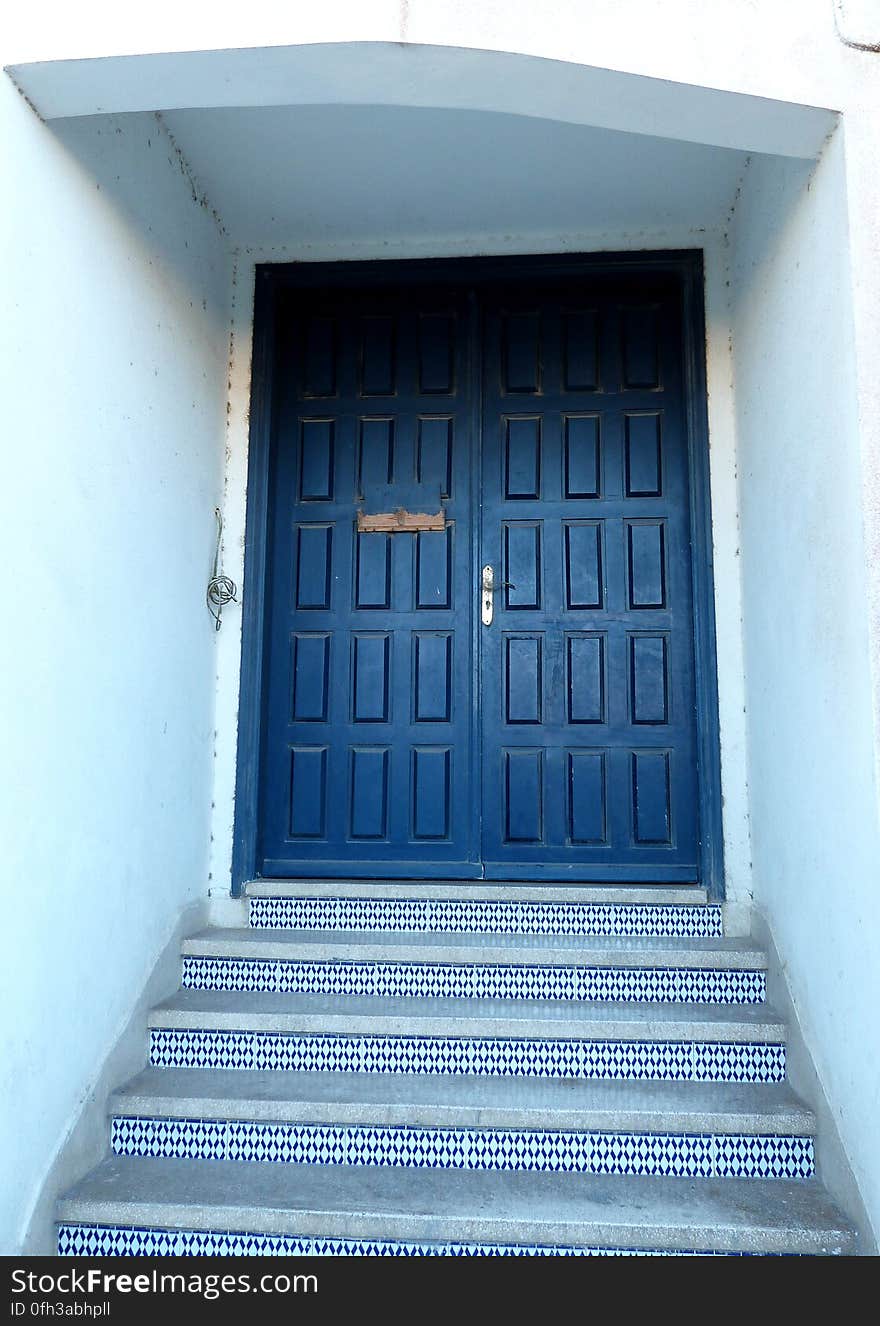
221,590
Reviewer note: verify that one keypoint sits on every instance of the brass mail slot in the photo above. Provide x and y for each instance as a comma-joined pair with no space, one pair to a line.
400,521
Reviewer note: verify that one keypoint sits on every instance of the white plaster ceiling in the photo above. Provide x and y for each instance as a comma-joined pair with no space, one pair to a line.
336,176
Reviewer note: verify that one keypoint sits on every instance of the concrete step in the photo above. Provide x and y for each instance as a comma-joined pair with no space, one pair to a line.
482,916
467,1102
468,966
476,890
501,1018
416,946
526,1212
462,1124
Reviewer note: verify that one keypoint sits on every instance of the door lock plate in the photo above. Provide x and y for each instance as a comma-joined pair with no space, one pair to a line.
487,592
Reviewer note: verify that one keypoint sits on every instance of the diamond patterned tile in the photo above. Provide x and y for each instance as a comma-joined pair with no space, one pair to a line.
661,985
707,1155
122,1241
698,1061
483,917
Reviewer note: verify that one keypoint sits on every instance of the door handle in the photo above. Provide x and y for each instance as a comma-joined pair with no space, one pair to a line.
488,587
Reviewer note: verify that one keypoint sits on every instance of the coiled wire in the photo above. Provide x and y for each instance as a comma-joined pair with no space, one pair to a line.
221,590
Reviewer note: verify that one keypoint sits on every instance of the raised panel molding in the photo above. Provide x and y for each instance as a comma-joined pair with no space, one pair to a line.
434,453
646,563
522,564
522,457
640,347
436,350
432,676
523,679
648,678
652,812
371,676
308,792
433,552
585,664
523,795
580,349
317,454
587,795
373,571
368,792
375,467
310,676
378,376
431,780
319,357
314,563
583,571
582,456
643,454
521,353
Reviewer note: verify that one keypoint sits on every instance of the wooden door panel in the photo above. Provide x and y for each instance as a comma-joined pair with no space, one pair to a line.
587,683
368,723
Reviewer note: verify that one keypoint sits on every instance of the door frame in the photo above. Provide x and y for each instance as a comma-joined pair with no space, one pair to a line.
270,279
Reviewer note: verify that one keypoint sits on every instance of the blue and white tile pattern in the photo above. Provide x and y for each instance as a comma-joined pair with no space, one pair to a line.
667,1061
481,917
647,985
698,1155
123,1241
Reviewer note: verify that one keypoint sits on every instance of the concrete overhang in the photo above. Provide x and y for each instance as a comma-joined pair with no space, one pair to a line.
437,77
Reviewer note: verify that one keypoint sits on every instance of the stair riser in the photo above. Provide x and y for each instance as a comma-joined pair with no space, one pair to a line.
654,985
502,918
693,1061
125,1241
672,1155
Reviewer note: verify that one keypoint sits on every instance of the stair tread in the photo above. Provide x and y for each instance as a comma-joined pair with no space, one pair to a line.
460,1205
687,895
487,1101
381,1012
475,947
434,1015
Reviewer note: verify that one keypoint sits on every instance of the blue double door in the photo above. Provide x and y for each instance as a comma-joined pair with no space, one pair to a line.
510,696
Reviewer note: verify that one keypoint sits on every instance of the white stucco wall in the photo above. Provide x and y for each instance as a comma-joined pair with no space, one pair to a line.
113,371
787,49
815,839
